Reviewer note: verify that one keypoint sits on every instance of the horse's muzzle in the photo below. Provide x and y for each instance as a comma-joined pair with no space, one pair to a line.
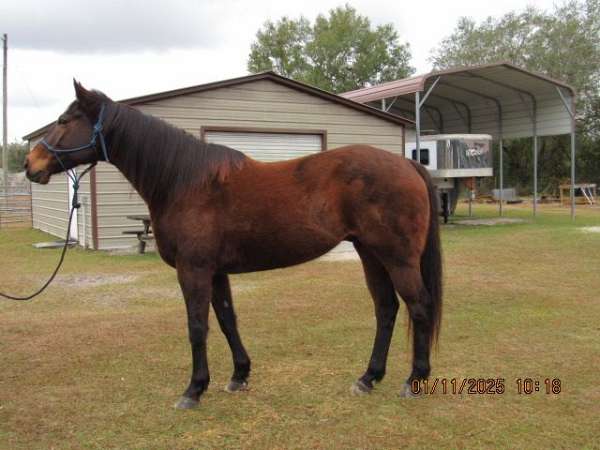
41,176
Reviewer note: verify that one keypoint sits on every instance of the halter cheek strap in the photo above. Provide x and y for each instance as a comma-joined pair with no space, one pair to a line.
97,135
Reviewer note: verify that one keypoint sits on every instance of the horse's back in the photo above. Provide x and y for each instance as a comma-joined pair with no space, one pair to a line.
348,186
343,164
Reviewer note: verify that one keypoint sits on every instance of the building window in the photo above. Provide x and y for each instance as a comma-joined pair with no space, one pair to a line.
424,156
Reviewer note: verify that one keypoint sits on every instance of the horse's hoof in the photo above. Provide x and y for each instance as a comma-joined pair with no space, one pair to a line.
187,403
407,392
236,386
360,388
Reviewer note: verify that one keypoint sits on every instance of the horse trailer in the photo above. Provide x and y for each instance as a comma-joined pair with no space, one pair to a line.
451,158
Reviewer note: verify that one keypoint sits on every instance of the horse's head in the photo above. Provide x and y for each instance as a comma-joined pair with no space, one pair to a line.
72,140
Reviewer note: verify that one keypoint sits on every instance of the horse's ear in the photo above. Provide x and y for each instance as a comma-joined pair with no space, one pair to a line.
89,100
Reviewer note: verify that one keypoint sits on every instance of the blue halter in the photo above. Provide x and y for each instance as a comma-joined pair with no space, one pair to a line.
96,135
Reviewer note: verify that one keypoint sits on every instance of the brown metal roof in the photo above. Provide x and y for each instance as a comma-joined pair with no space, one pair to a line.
497,99
418,83
271,76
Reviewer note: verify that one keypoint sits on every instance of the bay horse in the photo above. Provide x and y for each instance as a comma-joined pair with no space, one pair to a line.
216,212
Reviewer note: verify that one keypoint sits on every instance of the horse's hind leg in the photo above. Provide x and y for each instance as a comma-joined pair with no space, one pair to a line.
409,284
223,306
386,307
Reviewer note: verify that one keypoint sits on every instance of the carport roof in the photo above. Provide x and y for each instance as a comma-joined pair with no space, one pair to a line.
531,82
471,99
271,76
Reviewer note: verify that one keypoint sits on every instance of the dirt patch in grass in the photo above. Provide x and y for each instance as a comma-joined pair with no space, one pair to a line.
94,280
590,229
489,222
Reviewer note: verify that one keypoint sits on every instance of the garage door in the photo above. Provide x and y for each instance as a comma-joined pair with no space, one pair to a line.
268,146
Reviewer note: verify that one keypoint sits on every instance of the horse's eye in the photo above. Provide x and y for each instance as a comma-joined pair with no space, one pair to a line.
62,120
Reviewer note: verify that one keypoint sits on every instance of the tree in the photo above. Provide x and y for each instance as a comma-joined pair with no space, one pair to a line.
337,53
563,44
16,155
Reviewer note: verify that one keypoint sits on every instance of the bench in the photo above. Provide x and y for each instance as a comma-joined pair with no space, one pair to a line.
142,236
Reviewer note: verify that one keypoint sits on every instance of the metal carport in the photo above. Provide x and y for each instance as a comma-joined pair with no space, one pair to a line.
499,99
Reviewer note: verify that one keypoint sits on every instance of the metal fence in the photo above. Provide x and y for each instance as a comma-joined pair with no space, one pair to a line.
15,209
15,205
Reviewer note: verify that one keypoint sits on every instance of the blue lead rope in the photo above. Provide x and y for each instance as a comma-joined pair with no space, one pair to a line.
74,206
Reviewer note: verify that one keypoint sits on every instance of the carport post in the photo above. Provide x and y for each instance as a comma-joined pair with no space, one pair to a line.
501,191
418,104
573,168
500,135
418,124
571,111
535,161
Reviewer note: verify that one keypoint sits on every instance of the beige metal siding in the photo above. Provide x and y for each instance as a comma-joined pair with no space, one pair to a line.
265,104
49,206
115,200
259,104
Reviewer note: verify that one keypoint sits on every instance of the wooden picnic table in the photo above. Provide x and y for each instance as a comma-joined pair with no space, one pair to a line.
144,235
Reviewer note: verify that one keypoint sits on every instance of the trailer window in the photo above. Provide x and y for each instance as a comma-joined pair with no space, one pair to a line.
424,156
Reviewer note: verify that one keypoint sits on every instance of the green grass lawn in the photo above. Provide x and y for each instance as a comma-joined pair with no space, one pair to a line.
99,360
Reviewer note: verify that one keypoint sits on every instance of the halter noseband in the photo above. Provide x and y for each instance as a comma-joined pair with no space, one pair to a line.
96,135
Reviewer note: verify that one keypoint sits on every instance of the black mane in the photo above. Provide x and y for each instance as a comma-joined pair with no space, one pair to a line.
160,159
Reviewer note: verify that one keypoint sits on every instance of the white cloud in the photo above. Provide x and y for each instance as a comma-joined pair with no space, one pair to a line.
112,26
130,48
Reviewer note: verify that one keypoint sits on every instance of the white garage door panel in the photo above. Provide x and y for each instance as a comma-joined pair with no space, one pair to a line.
268,146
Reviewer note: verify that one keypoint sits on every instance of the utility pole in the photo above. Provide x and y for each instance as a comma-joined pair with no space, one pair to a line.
4,118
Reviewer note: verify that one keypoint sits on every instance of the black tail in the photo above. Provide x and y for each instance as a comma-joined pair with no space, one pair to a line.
431,259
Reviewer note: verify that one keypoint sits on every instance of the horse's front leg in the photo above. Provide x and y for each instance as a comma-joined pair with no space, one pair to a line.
196,285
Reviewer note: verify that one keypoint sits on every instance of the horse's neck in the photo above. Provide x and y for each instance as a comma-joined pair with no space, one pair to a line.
127,142
159,159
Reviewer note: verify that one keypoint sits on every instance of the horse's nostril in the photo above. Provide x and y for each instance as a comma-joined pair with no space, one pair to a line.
25,164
